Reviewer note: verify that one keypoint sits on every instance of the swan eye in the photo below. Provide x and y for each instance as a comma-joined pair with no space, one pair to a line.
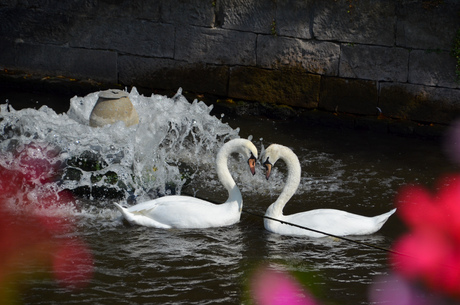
267,163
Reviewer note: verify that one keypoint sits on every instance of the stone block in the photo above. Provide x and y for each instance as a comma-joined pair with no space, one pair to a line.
142,9
64,22
215,46
288,86
52,60
157,73
13,20
374,63
7,53
349,95
432,69
293,18
427,24
246,15
137,37
75,7
34,26
419,103
313,56
364,21
190,12
125,9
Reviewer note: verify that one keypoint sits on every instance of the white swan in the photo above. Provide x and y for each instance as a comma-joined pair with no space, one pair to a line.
190,212
336,222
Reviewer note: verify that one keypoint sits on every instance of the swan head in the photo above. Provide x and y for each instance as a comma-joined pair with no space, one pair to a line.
252,164
268,167
250,151
270,156
246,148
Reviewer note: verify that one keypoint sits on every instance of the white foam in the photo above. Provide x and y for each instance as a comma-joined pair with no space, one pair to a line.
172,134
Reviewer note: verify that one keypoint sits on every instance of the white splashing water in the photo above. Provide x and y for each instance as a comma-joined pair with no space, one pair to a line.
173,139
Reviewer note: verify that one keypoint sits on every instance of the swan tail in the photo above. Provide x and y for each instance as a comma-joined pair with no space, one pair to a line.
119,207
126,215
381,219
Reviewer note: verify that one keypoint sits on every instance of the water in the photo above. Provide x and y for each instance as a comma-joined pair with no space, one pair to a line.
173,150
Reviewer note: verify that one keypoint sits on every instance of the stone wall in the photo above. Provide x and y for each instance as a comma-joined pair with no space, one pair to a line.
347,56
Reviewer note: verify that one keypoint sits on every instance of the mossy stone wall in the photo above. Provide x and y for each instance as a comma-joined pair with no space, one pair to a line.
336,55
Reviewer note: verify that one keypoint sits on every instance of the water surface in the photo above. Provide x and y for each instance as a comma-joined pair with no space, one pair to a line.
346,169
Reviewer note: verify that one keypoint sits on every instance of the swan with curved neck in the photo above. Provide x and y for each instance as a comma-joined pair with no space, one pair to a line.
336,222
190,212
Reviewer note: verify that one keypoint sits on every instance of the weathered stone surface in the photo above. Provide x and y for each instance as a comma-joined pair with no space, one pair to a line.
55,60
246,15
348,95
432,69
142,9
313,56
374,63
126,9
427,24
170,74
364,21
419,103
287,86
215,46
7,54
34,25
138,37
293,18
52,22
190,12
280,49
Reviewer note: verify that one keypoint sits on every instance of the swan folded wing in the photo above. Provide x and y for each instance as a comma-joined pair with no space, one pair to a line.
138,218
184,212
287,229
145,221
353,224
331,221
342,223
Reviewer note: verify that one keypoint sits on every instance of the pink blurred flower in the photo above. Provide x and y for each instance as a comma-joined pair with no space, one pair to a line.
395,290
26,243
29,175
73,264
38,162
30,239
452,142
431,251
270,287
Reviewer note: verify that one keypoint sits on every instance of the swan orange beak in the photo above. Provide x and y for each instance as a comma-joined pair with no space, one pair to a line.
252,164
268,167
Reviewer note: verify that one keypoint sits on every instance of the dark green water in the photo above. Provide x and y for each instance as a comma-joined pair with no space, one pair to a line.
345,169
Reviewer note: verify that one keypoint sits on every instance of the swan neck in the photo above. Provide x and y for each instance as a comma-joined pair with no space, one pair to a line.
224,175
292,183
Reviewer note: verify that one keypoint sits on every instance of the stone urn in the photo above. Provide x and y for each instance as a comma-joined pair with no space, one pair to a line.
112,106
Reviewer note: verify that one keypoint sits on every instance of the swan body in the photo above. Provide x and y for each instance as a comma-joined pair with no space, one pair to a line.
331,221
190,212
